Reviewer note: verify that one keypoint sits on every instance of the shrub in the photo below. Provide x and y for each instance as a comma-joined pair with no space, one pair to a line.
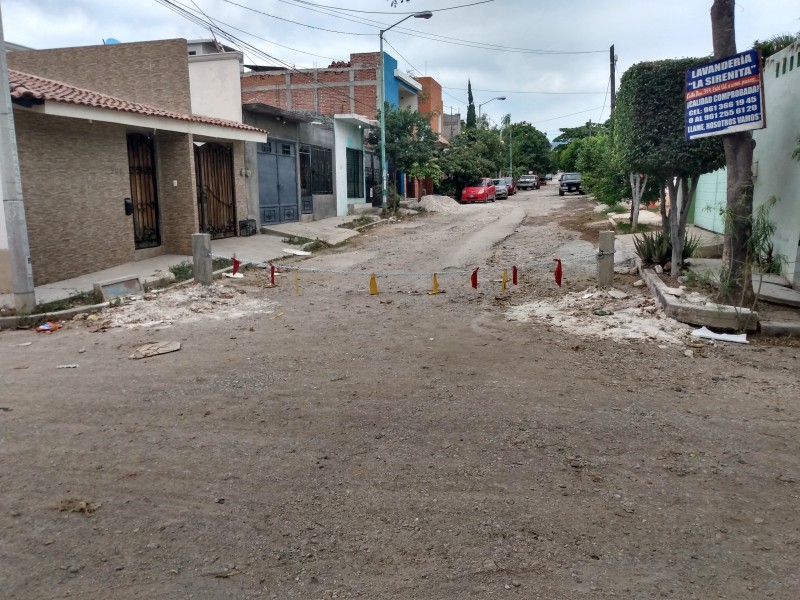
655,247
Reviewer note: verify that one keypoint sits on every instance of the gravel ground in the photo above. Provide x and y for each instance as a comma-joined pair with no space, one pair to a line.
332,444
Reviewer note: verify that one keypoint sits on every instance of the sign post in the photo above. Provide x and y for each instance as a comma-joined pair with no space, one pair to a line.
725,96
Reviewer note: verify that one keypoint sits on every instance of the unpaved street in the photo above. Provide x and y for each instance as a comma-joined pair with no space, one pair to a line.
332,444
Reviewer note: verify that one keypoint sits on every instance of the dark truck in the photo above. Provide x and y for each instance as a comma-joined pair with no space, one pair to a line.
569,183
528,182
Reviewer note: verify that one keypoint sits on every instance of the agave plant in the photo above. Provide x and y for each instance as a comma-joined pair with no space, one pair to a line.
656,247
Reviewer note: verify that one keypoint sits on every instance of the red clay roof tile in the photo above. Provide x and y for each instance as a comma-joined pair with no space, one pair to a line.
25,85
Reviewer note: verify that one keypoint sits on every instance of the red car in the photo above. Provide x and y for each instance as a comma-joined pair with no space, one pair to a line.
511,185
542,180
478,190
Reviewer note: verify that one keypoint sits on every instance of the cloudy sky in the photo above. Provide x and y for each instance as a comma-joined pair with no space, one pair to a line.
549,59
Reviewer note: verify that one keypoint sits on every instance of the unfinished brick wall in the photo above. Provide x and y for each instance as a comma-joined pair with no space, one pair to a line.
154,73
340,89
76,217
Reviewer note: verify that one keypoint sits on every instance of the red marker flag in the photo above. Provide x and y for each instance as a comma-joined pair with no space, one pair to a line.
474,278
559,272
271,274
235,264
514,274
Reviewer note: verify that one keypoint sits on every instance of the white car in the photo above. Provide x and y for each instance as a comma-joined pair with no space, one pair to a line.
500,189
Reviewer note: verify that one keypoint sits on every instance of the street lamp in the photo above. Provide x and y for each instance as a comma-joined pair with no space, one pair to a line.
487,102
384,168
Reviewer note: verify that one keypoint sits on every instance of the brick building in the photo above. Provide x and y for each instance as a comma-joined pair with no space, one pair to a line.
116,164
342,87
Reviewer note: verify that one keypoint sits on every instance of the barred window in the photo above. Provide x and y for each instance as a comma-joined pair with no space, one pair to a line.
316,170
321,170
355,173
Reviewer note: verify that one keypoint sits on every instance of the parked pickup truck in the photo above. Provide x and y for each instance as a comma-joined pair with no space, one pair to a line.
570,182
528,182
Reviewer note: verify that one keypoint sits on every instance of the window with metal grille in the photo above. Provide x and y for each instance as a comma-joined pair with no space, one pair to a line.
286,149
355,173
321,170
316,170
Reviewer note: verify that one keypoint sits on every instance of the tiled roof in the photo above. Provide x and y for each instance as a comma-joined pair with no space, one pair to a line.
24,85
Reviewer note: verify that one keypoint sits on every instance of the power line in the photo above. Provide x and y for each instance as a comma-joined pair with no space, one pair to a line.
565,116
526,92
411,32
296,22
187,13
384,12
605,99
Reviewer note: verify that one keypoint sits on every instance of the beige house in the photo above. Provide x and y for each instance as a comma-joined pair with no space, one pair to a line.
125,150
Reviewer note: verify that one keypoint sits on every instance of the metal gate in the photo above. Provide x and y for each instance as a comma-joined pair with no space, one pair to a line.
277,182
216,200
144,195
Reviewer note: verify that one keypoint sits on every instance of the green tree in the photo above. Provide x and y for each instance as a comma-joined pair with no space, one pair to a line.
776,43
649,138
472,121
601,176
531,148
410,140
473,153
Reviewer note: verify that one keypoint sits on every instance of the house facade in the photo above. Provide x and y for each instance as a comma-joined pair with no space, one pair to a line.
343,88
116,163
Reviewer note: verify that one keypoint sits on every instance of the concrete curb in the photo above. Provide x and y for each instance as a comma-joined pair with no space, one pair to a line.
14,322
779,328
60,315
719,316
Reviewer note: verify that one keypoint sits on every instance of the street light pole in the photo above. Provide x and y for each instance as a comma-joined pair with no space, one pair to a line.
487,102
12,220
384,167
510,153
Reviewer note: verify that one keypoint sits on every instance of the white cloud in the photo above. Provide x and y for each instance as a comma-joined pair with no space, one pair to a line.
640,29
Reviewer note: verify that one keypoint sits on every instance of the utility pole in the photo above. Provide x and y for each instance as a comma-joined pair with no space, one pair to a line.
19,254
613,63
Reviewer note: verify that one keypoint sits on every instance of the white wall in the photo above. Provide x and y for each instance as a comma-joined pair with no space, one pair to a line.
777,173
215,86
710,198
346,136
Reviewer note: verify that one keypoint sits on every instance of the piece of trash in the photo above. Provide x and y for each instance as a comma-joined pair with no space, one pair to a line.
297,252
79,506
154,349
602,312
48,327
704,332
220,500
234,275
225,574
67,367
276,316
24,344
6,409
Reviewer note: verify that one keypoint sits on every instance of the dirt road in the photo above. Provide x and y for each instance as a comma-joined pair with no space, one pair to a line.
334,444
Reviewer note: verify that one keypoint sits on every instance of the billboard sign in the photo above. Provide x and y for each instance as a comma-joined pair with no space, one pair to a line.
725,96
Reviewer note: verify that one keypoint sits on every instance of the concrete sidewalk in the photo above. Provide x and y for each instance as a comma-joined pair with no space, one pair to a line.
773,288
256,248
